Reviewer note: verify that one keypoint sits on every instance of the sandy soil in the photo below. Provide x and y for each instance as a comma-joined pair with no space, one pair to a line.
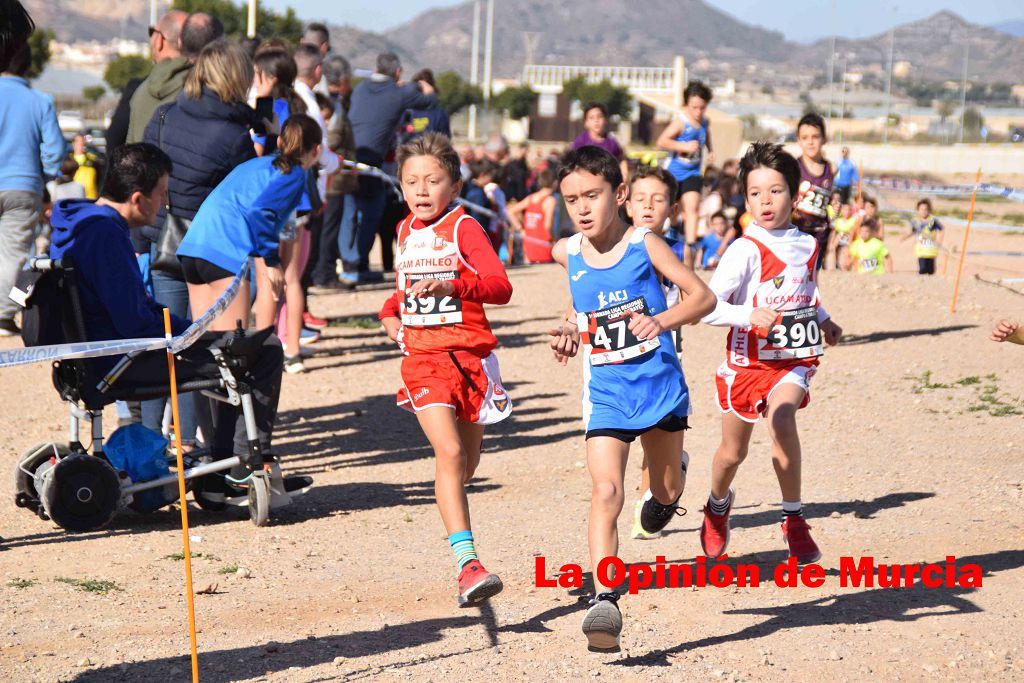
913,451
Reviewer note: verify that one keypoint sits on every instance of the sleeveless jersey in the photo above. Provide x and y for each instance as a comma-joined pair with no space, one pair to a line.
925,245
627,383
684,166
786,283
811,213
537,245
439,324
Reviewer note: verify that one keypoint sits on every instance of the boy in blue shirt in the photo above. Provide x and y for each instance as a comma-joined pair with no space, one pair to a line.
709,244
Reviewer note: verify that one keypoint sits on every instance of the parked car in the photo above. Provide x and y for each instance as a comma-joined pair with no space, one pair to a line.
1017,134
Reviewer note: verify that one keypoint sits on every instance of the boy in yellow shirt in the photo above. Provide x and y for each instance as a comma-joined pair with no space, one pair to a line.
869,254
928,234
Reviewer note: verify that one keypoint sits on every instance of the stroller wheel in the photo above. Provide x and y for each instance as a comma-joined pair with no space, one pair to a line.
81,492
25,493
259,499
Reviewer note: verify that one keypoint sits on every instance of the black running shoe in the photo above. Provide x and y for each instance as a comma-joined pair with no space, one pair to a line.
603,624
654,516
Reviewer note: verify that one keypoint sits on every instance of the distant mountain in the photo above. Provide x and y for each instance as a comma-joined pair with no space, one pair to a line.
1014,27
935,49
648,33
605,32
100,20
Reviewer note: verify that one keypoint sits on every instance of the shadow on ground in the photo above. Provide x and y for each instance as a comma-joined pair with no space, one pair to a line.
871,338
868,606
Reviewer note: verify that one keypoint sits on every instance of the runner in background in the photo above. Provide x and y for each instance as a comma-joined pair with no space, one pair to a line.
686,138
653,197
844,229
815,191
533,218
927,232
869,254
871,215
446,271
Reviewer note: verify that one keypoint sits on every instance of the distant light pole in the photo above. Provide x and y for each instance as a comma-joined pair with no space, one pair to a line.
474,66
488,55
888,80
251,30
842,102
831,63
963,89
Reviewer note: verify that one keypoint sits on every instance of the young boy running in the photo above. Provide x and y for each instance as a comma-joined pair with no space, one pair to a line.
633,383
844,229
653,197
686,138
446,271
767,295
928,233
869,254
816,177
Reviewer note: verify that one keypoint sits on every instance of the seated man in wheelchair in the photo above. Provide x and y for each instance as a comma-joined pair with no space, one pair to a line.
113,304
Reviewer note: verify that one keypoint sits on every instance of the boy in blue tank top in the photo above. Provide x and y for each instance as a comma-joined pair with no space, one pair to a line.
633,383
686,139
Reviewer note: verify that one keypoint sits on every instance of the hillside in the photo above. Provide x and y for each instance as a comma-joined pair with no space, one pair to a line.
91,19
607,33
610,32
935,48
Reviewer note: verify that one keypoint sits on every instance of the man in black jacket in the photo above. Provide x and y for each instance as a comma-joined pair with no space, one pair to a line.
377,106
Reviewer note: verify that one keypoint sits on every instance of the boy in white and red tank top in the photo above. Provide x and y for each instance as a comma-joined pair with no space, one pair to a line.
768,295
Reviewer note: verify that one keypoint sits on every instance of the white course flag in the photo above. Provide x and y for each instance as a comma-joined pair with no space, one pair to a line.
116,347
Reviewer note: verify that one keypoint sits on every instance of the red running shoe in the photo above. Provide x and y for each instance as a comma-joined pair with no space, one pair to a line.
797,533
312,322
714,533
476,584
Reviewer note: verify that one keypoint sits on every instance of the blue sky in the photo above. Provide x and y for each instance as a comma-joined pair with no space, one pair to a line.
801,20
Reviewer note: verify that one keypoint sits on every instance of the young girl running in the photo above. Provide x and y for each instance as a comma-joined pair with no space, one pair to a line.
446,271
767,294
633,383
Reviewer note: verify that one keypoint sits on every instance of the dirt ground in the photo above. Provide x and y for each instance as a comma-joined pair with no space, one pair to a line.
913,452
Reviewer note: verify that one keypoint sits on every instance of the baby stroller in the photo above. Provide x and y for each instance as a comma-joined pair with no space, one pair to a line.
77,487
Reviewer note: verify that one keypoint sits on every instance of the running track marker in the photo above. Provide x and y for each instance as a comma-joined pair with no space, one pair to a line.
189,595
963,251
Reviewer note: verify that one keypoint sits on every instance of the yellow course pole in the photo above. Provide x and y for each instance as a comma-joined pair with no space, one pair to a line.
963,250
189,593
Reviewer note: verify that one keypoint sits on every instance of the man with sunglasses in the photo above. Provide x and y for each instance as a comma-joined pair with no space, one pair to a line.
167,77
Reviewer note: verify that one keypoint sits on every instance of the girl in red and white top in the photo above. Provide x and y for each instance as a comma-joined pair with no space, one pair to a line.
534,218
446,271
767,293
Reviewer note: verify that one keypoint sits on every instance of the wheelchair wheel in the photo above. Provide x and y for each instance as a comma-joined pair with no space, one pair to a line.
81,493
259,499
209,484
25,493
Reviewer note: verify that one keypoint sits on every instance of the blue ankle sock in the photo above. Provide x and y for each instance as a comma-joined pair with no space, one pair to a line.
463,547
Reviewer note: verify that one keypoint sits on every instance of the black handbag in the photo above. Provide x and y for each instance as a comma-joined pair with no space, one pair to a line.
173,231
